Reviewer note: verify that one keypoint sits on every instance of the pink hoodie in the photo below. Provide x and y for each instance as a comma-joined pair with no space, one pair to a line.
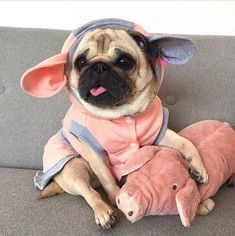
119,140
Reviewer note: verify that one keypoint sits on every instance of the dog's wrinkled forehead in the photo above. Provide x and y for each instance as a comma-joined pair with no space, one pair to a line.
98,24
105,43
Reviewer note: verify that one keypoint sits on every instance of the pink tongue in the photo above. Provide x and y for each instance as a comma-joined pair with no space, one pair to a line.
97,91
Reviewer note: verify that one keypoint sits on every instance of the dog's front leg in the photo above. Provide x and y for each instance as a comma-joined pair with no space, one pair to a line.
76,178
101,169
189,151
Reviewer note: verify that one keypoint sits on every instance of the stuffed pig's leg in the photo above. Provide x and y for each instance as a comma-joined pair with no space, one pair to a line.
205,207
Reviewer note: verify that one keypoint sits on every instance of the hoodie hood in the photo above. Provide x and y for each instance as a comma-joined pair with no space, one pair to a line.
77,35
50,76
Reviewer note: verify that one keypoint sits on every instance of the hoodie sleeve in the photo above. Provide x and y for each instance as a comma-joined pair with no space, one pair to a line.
56,149
57,153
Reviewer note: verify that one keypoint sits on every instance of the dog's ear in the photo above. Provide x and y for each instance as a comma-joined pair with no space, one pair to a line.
173,50
47,78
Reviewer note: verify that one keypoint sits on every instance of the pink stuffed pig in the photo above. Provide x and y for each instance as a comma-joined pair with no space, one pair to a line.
164,186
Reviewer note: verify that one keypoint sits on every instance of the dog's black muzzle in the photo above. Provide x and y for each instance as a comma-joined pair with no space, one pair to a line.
101,75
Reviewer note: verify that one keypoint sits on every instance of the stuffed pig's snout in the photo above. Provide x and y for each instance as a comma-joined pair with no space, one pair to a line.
132,204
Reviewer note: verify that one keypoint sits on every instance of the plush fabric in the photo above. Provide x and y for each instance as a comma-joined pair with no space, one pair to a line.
164,186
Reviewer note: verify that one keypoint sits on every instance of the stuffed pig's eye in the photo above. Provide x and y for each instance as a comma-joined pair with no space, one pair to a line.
174,187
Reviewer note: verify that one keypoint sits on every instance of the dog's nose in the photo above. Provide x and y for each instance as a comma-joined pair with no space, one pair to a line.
100,67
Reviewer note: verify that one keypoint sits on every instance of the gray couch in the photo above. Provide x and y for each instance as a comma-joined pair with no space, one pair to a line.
202,89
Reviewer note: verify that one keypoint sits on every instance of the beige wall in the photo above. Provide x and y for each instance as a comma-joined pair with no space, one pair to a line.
174,17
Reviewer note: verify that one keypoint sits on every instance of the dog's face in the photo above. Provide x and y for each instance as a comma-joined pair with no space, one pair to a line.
112,73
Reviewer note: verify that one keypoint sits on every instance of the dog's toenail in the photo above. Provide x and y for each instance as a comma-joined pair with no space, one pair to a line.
118,201
130,213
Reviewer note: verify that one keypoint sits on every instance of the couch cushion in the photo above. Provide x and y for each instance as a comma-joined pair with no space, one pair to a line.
22,214
201,89
26,122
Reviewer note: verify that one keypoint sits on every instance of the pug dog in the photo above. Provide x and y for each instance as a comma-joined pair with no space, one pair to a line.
111,70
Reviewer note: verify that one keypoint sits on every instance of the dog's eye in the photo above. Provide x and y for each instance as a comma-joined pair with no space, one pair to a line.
125,62
80,62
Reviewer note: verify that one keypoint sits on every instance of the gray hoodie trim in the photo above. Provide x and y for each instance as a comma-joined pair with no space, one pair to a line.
42,179
163,128
81,132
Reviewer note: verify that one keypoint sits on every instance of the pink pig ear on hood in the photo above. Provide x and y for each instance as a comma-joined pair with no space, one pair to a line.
187,201
47,78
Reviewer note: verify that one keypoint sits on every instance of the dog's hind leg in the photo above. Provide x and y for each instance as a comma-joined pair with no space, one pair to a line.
76,178
51,190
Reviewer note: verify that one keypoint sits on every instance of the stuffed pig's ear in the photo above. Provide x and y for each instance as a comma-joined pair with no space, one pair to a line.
47,78
187,201
173,50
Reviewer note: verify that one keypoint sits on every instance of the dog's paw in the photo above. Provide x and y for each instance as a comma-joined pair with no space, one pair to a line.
198,172
205,207
104,216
